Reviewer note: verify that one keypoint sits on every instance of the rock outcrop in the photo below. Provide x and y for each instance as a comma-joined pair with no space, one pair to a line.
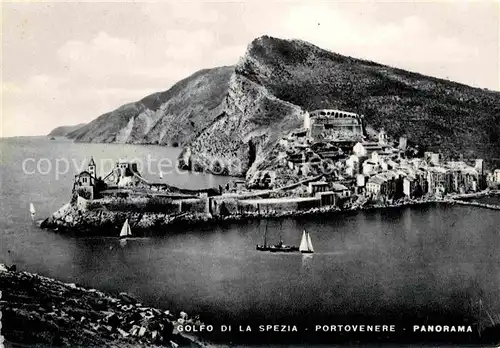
94,218
251,121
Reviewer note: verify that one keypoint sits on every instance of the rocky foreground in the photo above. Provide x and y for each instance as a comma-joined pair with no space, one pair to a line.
41,311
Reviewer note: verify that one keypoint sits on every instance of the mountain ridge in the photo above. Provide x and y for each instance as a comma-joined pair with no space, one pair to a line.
140,122
248,107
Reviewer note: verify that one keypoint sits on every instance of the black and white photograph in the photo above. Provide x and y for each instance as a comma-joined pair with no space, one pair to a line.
250,173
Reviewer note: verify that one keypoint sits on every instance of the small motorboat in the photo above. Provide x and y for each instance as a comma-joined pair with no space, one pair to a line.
280,247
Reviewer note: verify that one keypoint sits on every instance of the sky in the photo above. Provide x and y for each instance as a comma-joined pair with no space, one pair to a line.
64,63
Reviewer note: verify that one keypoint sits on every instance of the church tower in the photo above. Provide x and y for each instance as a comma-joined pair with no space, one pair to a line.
91,167
479,166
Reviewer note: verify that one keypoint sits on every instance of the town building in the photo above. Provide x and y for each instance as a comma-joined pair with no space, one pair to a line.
496,176
376,186
386,184
317,186
370,167
403,143
340,190
439,180
414,186
125,174
431,158
479,167
327,198
85,182
366,148
464,178
353,165
360,183
382,137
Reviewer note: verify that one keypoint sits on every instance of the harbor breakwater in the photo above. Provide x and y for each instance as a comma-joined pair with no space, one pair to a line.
43,311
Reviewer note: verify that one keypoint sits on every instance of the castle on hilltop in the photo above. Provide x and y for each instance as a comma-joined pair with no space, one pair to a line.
333,124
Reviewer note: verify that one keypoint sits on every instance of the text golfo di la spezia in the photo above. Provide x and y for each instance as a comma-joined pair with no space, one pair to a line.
322,328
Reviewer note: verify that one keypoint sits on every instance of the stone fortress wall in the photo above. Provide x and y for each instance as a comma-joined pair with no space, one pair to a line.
329,122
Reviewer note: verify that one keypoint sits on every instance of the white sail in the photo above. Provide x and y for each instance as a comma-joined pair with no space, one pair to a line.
161,174
32,211
309,243
125,232
303,242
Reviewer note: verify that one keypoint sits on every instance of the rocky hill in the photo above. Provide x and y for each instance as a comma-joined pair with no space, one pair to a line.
168,118
64,130
228,119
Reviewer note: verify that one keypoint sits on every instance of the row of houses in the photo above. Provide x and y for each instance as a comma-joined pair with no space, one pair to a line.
417,177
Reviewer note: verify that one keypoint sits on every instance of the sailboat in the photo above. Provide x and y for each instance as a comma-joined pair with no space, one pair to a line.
264,247
306,246
160,174
125,232
32,211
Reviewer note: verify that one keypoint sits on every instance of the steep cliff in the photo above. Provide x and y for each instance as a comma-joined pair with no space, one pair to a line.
170,118
252,119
